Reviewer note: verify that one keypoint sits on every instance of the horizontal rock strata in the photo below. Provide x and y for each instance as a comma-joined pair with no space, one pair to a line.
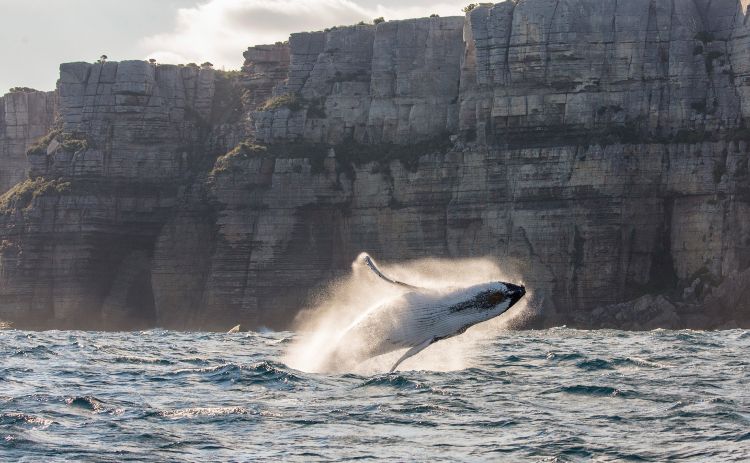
25,116
596,149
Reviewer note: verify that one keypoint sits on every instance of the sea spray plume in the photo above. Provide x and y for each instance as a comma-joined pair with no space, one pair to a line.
375,312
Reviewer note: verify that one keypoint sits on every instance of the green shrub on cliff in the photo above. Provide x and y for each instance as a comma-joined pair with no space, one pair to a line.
378,20
22,195
471,6
315,107
72,142
22,90
244,150
40,146
287,100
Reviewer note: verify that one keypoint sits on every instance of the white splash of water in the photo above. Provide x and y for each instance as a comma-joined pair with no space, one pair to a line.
348,299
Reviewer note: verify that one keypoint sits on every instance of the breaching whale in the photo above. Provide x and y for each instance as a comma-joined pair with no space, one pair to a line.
418,318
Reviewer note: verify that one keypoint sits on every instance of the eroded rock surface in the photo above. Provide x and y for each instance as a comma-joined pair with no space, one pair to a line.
25,116
597,149
79,236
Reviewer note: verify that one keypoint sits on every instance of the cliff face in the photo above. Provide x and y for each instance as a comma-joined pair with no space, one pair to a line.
79,236
654,67
24,117
597,149
394,83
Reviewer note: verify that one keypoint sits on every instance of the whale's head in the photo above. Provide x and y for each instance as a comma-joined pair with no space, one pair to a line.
500,295
488,300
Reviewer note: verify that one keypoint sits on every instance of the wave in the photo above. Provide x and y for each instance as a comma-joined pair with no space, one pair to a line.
193,412
396,381
562,357
284,340
39,351
179,396
596,391
595,364
142,360
602,364
17,418
86,402
257,373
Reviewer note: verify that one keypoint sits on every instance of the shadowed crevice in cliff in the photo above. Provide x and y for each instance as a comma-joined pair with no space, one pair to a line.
662,277
129,304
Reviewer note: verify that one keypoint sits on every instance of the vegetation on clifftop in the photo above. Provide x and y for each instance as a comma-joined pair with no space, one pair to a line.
22,90
471,6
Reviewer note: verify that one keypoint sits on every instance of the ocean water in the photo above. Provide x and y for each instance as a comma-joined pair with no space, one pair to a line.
552,395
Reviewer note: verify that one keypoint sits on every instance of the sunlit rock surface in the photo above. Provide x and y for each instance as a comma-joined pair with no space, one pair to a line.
597,149
25,116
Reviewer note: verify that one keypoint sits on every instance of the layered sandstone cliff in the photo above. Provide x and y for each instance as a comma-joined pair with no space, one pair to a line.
79,235
596,149
25,116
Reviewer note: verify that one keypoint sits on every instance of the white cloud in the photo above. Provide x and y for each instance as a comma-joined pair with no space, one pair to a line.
220,30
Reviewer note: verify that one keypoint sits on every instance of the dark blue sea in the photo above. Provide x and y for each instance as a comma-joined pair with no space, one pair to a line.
554,395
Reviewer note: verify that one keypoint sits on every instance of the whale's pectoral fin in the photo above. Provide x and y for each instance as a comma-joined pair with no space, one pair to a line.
371,265
412,352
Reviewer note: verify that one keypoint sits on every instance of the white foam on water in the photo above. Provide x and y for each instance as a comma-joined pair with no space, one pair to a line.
348,299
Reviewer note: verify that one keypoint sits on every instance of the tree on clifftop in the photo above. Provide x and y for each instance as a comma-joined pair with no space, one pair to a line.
471,6
22,90
102,59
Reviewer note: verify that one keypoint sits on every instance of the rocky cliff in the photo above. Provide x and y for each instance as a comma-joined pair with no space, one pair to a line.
25,116
597,149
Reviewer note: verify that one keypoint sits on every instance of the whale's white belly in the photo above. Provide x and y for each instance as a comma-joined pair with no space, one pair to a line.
404,322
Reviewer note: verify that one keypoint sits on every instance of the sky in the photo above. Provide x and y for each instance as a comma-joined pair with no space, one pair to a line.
37,35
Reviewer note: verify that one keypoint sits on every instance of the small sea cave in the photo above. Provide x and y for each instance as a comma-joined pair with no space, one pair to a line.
129,305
